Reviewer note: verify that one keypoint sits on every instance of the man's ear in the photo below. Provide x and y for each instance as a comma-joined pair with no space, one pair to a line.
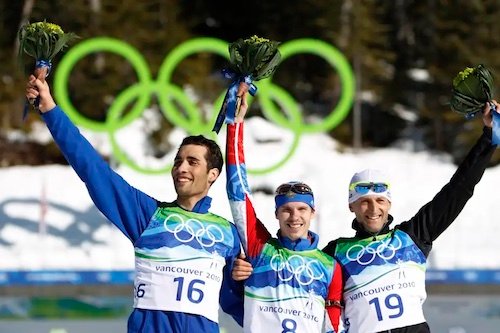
213,174
350,208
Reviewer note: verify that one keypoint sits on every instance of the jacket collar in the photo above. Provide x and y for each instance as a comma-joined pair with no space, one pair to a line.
202,206
301,244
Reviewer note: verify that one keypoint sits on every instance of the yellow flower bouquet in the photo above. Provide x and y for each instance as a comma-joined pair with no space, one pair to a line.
42,41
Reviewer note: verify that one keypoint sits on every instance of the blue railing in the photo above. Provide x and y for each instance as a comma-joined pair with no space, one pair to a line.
51,277
54,277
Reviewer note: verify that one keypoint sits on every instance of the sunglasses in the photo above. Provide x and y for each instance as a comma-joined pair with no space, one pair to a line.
363,188
299,188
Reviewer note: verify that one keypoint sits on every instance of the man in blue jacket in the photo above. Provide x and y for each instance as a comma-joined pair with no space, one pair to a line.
183,253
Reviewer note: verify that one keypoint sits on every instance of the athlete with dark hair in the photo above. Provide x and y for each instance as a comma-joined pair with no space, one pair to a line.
183,253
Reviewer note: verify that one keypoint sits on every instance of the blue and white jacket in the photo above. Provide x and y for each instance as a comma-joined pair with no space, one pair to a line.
183,258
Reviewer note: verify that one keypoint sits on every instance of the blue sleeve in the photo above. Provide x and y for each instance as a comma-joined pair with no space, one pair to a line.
231,293
125,206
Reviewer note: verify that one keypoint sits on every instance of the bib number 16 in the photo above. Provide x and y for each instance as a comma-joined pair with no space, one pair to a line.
193,293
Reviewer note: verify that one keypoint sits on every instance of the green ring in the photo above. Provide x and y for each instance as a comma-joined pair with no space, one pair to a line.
338,62
269,95
79,51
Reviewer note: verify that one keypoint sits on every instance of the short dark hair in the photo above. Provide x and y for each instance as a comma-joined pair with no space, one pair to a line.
213,155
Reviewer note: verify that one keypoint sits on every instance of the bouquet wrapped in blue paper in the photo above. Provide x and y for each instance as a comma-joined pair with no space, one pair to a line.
251,59
42,41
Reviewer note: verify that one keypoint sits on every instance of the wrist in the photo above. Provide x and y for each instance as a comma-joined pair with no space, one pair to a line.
46,107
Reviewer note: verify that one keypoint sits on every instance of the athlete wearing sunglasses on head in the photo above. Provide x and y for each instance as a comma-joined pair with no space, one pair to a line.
383,267
293,281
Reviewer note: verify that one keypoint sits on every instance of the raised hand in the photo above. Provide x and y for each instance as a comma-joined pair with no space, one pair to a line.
38,87
488,115
242,105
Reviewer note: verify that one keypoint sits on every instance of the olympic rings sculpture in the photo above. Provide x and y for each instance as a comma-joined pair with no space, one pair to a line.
384,249
288,269
170,95
206,237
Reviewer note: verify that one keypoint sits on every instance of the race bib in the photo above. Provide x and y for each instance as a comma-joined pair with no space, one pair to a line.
385,282
188,286
287,316
389,302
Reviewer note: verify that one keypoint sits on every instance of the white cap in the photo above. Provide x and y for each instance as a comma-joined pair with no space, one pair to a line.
366,177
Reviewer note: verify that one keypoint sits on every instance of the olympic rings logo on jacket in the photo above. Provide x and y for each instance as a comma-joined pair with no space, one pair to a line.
187,230
384,249
297,267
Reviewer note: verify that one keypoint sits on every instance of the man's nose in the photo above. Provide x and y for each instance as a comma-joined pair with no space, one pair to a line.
372,205
182,166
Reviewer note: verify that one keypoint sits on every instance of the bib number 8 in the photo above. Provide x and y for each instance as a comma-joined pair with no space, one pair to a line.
289,326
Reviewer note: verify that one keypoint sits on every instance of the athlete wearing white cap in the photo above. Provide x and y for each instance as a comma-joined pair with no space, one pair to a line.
384,267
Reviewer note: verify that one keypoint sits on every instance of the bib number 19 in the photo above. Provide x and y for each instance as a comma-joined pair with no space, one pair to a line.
392,302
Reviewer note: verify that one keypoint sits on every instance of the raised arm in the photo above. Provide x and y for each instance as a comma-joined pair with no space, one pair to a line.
126,207
437,215
252,232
